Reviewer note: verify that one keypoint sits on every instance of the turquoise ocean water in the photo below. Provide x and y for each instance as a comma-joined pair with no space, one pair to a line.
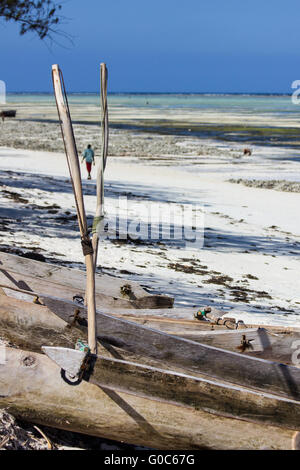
256,119
281,104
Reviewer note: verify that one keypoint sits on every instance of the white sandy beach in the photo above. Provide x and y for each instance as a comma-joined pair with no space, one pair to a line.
250,260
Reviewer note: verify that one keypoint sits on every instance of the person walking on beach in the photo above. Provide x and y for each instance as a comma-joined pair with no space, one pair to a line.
88,156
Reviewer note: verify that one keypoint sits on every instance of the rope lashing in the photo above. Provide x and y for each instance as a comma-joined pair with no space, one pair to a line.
87,247
78,299
96,222
201,314
81,346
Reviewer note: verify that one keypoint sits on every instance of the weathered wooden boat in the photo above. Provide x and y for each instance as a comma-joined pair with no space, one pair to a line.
111,292
123,372
194,388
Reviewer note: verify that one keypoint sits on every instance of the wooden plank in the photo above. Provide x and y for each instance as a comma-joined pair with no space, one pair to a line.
31,388
184,314
29,326
205,359
248,340
179,388
273,343
119,335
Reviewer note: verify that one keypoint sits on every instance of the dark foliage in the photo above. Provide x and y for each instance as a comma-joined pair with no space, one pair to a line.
39,16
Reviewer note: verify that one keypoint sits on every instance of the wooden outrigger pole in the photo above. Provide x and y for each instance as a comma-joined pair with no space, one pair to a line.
97,223
73,164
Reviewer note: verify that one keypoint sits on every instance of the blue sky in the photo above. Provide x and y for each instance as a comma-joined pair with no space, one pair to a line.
163,46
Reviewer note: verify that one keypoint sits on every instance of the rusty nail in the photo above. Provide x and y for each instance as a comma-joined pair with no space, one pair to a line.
29,361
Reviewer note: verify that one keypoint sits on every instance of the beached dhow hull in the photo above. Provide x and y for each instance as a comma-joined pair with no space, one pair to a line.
150,387
55,316
31,387
65,283
159,370
125,339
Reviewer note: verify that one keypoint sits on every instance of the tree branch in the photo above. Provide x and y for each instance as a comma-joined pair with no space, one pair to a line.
39,16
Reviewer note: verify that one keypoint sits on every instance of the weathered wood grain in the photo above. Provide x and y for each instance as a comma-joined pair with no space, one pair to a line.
62,282
180,388
31,388
117,335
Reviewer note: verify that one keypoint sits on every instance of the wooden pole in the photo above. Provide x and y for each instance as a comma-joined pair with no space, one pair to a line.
97,226
74,168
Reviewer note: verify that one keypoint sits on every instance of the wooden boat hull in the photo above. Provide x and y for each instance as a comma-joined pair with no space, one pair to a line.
31,387
49,279
269,343
120,338
196,389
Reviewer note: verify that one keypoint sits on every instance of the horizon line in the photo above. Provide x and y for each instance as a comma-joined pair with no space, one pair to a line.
156,93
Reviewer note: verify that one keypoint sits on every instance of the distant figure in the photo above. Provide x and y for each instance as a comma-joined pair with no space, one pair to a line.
88,156
247,152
